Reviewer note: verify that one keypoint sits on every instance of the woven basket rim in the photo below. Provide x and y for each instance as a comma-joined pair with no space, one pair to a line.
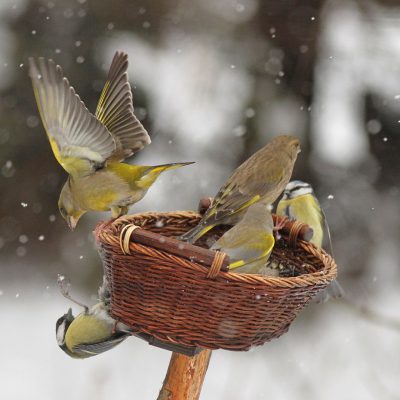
103,232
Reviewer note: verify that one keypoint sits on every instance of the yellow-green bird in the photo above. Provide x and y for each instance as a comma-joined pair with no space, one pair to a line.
250,242
261,177
91,332
91,147
300,203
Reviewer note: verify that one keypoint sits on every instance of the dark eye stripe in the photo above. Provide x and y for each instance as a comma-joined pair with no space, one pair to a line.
300,186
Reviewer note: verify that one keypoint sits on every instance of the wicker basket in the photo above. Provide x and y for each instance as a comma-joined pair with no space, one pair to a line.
172,296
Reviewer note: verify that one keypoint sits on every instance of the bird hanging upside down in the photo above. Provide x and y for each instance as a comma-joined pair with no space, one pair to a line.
91,332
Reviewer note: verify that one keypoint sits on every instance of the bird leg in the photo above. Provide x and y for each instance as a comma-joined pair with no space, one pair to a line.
279,224
117,211
64,285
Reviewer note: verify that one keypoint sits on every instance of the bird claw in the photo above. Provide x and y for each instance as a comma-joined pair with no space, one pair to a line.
279,224
118,211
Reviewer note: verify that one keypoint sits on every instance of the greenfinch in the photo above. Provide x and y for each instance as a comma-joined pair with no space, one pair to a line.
249,243
91,147
91,332
300,203
261,177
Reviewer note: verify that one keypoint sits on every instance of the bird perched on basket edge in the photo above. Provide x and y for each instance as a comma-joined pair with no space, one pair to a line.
249,243
93,331
263,176
91,147
299,202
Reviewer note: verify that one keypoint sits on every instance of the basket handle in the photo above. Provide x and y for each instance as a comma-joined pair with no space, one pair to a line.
296,232
208,258
216,265
293,229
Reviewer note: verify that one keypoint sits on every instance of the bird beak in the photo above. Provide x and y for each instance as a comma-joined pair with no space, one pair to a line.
71,221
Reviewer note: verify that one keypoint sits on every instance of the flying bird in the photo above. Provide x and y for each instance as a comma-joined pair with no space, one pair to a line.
91,147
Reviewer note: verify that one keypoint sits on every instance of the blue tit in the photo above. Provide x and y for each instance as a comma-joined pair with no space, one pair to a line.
262,177
250,242
93,331
300,203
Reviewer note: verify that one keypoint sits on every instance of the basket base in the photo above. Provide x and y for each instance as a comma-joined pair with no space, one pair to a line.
176,348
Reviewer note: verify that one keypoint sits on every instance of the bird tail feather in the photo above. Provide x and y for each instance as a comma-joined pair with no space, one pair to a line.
333,291
150,174
166,167
196,233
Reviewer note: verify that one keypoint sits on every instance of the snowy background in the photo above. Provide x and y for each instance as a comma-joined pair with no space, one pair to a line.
213,82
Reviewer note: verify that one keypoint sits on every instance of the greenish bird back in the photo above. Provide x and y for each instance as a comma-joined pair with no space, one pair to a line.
87,328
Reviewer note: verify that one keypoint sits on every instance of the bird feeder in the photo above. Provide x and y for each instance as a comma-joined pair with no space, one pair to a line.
183,298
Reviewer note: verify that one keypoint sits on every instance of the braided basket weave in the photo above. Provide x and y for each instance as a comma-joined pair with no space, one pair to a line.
179,300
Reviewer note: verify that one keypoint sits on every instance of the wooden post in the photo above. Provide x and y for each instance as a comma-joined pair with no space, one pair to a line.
185,376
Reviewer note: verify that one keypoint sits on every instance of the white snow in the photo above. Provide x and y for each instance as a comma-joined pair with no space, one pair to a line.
329,353
362,56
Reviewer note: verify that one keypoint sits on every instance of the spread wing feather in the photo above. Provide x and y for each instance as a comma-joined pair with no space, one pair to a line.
79,141
115,110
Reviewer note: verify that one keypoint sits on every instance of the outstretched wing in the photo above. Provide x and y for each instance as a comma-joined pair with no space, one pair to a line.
115,111
79,141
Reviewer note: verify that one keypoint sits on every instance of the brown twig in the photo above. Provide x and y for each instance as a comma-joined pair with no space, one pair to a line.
172,246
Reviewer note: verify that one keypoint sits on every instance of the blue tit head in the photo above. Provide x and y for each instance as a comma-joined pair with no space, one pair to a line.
91,333
296,188
62,326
